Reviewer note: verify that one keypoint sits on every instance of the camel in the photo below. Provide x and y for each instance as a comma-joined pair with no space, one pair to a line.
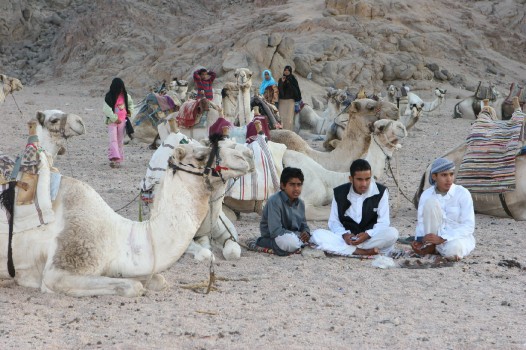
9,86
416,107
177,90
319,182
147,131
91,250
509,204
384,110
244,83
465,108
216,225
362,114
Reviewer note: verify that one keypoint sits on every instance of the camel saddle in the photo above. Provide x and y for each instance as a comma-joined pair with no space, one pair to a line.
485,92
155,107
192,112
516,90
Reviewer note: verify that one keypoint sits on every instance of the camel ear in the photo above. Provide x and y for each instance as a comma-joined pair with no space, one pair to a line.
179,153
2,77
334,143
355,107
41,117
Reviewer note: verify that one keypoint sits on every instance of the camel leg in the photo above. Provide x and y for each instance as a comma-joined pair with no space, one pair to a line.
155,282
225,235
199,252
60,281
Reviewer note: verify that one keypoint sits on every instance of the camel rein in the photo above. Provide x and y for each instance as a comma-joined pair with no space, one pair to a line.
388,161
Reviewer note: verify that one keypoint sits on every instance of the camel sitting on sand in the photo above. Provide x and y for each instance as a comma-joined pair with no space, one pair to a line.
91,250
9,86
355,140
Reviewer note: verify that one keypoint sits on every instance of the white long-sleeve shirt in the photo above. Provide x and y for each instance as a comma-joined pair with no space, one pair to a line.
457,211
355,210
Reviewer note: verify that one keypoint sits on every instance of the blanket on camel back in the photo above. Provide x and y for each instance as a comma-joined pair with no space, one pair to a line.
264,180
155,107
191,113
488,165
33,205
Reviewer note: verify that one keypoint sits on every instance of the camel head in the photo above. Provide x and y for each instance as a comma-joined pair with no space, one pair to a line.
243,78
364,112
391,91
55,127
179,86
336,98
233,159
9,85
440,93
389,133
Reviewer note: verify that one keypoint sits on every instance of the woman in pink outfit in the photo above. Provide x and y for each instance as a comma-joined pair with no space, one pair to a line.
117,106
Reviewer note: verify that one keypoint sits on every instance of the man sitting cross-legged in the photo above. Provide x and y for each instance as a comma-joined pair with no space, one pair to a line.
283,224
446,219
359,219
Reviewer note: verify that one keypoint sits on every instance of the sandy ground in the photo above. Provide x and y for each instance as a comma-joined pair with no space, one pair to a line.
270,302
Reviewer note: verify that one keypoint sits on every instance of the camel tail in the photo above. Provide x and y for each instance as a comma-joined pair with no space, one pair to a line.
456,111
419,191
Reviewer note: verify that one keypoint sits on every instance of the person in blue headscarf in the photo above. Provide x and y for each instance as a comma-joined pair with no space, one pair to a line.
269,88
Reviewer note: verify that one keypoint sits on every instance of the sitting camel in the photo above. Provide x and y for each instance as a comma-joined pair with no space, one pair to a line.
383,110
470,107
356,138
319,182
9,86
91,250
216,225
505,204
177,90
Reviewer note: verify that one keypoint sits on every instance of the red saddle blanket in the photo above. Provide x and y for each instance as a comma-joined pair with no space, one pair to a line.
190,113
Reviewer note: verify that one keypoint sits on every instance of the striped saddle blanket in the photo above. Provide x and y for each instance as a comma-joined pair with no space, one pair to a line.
155,107
489,162
264,181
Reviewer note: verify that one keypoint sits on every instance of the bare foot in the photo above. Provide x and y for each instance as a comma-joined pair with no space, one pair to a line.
360,251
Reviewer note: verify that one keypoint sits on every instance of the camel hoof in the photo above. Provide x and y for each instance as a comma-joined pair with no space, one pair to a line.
232,250
157,283
132,289
204,255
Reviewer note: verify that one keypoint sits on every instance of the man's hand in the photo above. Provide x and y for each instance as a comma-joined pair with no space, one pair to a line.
433,239
347,237
305,237
360,238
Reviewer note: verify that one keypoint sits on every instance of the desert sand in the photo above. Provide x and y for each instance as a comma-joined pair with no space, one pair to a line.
65,52
268,301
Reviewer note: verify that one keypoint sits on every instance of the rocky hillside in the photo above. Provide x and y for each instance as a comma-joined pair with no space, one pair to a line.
334,42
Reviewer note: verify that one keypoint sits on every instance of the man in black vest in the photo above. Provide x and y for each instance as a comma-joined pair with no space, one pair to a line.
359,220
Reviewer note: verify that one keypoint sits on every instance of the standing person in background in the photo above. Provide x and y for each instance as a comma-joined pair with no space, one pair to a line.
269,88
203,80
289,98
118,105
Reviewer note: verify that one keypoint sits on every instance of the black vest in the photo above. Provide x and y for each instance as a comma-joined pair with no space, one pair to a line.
369,216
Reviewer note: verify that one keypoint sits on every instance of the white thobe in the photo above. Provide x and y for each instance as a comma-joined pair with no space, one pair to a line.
450,216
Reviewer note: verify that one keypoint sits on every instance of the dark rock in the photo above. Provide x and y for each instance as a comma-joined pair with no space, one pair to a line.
433,67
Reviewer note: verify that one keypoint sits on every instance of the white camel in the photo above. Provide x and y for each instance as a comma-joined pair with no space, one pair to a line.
244,83
494,204
355,140
9,86
177,90
319,182
465,108
216,225
91,250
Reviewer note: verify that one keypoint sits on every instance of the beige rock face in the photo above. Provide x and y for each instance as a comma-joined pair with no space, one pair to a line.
338,42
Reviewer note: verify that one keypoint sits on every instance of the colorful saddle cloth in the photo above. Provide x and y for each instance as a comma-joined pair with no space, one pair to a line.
191,112
155,107
488,165
33,205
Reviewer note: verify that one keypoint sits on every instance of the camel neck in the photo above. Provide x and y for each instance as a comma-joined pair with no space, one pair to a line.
244,106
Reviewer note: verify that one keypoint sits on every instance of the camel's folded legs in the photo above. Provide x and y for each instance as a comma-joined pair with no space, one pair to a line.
60,281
